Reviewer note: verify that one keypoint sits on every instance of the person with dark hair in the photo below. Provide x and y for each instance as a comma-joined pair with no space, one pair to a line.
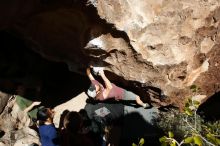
72,134
93,128
73,122
98,92
47,130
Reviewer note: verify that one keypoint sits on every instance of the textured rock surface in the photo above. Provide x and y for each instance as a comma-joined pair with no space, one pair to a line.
3,101
177,39
15,126
165,44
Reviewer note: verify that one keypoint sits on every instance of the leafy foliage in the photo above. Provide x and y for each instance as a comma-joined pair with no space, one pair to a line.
189,127
141,143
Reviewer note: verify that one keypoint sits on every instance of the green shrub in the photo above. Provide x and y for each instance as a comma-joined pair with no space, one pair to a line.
188,128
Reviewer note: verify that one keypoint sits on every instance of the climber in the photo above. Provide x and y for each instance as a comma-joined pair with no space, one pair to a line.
98,92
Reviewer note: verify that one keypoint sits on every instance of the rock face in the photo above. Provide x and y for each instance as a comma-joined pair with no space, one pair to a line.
15,126
155,44
3,101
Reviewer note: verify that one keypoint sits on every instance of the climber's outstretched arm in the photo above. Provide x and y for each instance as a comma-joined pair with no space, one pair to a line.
88,72
31,106
108,84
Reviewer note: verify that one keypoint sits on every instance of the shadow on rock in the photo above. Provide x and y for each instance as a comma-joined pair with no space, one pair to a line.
136,127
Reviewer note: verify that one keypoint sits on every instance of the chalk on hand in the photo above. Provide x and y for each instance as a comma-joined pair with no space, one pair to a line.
97,69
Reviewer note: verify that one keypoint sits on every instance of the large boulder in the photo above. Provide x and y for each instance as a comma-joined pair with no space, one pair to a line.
15,126
154,46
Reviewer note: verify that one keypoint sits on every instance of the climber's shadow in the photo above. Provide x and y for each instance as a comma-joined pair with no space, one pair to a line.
136,127
208,109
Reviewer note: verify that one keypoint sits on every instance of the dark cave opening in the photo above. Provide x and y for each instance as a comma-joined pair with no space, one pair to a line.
50,82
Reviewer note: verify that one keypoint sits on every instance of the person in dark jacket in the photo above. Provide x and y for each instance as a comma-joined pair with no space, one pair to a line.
47,131
73,133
